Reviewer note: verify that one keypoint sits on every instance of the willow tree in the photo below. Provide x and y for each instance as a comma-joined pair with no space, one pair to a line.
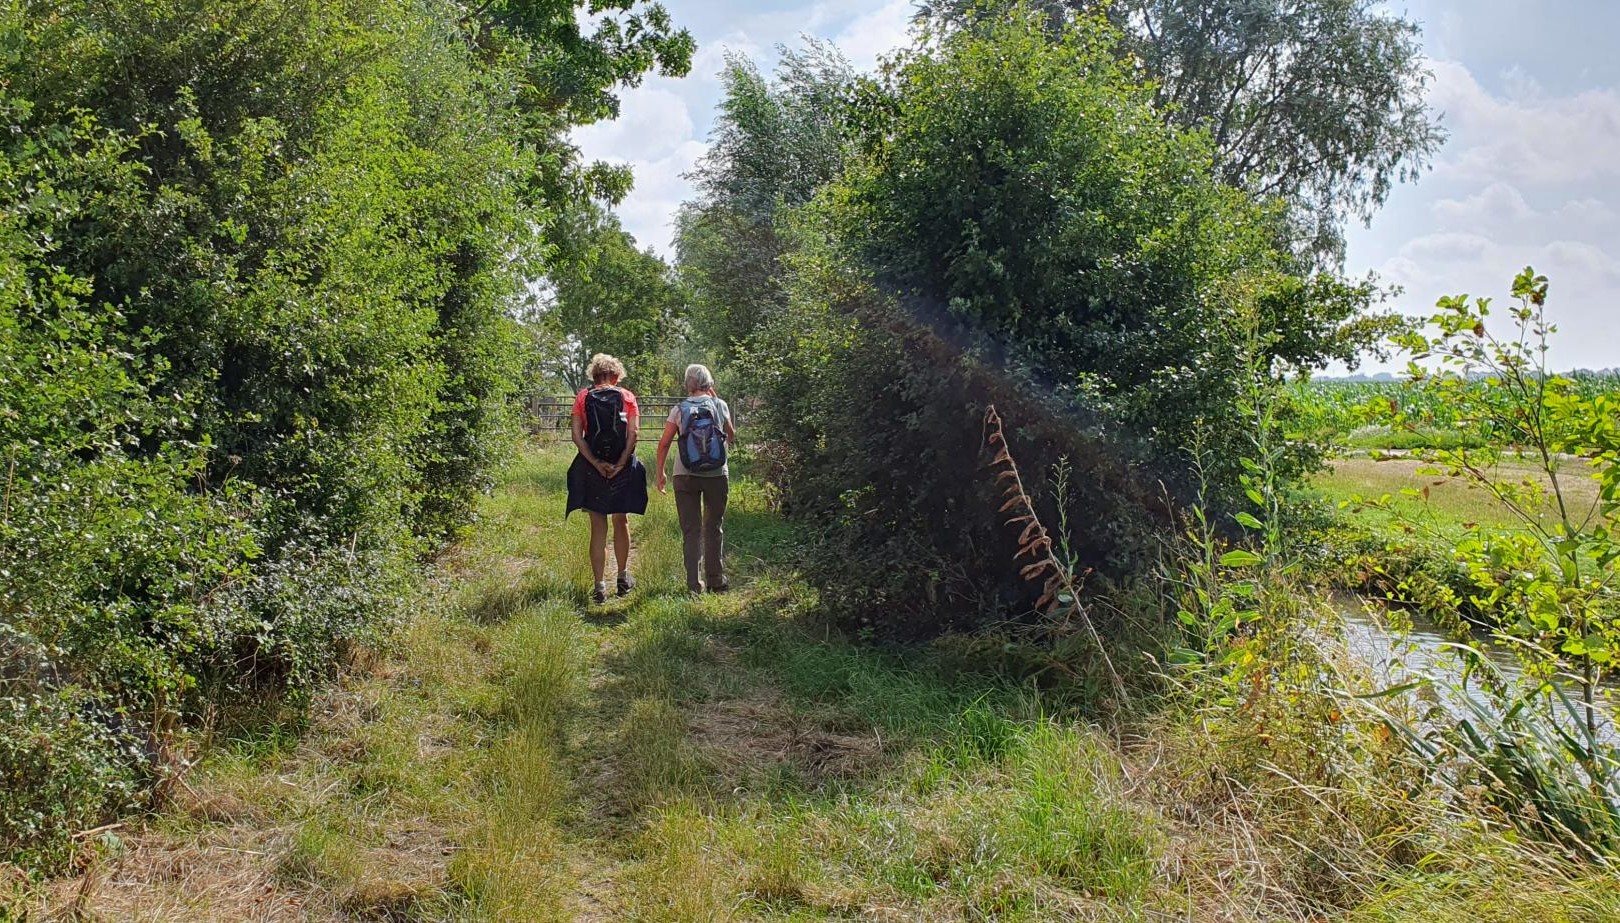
777,139
1319,103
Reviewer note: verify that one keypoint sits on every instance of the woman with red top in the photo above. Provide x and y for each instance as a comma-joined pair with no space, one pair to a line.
606,479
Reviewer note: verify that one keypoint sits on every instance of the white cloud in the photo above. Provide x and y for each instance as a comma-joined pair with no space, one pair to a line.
1521,85
649,212
1587,260
1446,246
1588,212
876,33
652,122
1565,139
1529,177
1584,278
1496,204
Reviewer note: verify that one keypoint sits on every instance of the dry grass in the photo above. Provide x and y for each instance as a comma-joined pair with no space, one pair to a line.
1450,502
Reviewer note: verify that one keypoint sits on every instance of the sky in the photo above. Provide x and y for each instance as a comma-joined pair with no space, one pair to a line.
1529,91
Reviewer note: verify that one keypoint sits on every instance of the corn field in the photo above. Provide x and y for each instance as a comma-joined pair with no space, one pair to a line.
1340,411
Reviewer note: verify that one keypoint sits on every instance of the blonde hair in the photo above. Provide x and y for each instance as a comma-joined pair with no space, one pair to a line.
604,367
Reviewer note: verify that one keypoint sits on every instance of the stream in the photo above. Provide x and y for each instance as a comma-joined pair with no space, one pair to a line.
1395,658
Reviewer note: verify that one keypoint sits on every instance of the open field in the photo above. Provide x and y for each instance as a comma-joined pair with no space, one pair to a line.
521,756
1336,411
1449,504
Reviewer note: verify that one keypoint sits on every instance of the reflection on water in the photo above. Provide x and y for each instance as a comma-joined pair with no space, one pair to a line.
1426,650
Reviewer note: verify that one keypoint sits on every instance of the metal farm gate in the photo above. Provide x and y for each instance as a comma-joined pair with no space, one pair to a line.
549,416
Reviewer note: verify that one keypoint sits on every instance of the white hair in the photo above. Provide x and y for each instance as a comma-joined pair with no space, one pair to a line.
698,378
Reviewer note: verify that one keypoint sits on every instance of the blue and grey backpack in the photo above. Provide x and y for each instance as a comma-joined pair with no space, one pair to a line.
702,440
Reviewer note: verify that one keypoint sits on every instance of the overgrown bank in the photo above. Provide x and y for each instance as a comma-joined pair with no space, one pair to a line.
521,755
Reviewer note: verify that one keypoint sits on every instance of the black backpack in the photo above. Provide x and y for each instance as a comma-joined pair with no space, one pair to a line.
605,423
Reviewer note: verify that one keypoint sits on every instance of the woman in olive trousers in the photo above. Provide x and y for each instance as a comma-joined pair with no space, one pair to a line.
700,496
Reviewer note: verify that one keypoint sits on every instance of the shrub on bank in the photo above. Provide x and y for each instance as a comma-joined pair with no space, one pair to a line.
1020,229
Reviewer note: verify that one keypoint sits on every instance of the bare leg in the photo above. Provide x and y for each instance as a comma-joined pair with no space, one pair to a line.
598,544
621,541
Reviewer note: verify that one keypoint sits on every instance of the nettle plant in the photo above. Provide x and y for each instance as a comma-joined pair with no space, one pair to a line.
1553,575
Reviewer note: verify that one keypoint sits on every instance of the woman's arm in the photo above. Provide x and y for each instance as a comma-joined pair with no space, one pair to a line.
670,432
585,450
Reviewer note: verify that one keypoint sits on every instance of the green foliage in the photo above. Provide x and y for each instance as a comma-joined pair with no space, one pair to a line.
1319,104
610,297
1555,571
1083,237
60,769
1550,577
257,283
1536,760
1022,229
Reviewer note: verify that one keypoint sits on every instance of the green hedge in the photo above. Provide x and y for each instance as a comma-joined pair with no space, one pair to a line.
258,266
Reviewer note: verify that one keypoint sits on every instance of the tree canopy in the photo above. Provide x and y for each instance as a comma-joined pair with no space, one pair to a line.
1317,102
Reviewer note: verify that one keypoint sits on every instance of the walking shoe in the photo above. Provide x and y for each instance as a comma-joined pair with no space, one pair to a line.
626,583
599,595
720,587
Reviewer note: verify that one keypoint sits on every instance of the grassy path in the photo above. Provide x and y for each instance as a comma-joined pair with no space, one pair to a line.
523,756
526,756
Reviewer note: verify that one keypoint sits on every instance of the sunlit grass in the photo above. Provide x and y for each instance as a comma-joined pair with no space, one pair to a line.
524,755
1449,504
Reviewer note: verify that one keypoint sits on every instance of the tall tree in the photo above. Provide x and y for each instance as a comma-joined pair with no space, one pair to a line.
1020,228
1317,102
612,297
776,141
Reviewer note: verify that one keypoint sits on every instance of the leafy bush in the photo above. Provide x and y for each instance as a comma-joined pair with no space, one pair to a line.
59,771
257,278
1021,229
